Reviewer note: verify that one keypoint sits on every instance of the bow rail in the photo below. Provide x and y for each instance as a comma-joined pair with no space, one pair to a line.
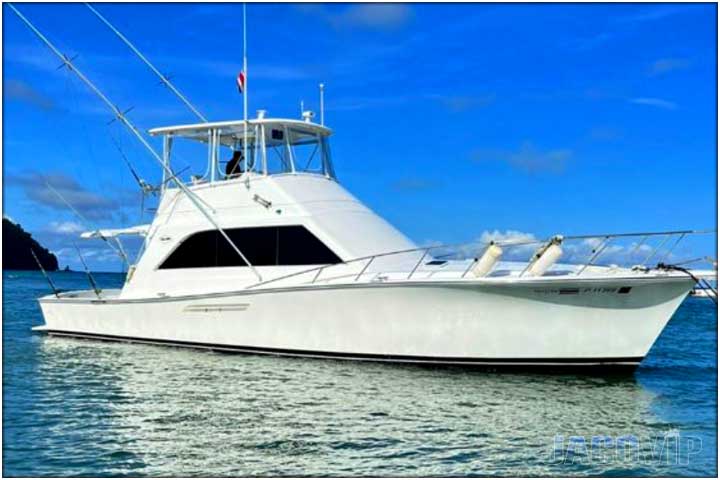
581,256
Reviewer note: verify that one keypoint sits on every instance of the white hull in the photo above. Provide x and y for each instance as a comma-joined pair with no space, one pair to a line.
568,322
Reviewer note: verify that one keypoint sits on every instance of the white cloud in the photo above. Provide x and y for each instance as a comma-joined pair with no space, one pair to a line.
520,246
654,102
66,227
514,236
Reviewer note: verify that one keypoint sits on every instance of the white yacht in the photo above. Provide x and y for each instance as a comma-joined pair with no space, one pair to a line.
299,266
272,255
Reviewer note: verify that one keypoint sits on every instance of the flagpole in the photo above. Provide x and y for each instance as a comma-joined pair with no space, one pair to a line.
245,92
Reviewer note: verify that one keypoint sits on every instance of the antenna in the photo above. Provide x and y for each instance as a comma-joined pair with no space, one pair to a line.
322,103
119,114
163,78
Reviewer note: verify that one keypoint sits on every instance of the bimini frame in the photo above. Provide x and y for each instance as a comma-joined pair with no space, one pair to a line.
228,133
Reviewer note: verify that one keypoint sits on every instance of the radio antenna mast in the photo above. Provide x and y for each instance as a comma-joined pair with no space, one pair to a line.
163,78
322,104
121,116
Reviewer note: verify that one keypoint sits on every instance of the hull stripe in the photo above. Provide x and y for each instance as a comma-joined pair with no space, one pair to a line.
589,361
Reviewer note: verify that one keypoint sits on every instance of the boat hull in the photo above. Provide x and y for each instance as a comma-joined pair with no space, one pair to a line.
571,324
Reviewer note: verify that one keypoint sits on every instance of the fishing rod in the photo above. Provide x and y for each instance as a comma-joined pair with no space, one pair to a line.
163,78
87,272
55,291
121,116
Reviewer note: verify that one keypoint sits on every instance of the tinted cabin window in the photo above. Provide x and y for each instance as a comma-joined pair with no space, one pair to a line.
263,246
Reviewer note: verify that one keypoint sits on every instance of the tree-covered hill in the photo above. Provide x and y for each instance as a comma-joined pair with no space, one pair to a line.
16,247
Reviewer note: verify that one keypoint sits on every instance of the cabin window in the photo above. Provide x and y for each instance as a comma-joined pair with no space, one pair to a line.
263,246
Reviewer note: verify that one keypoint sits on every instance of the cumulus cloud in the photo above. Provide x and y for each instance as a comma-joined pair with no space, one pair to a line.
66,227
514,236
517,245
520,246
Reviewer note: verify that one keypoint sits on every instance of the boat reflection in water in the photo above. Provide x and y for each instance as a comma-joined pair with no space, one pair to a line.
159,411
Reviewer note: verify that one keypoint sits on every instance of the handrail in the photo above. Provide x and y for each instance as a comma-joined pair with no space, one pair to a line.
419,262
386,254
607,238
596,252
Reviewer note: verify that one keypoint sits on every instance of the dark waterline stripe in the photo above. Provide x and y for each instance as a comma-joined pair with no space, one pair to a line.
552,362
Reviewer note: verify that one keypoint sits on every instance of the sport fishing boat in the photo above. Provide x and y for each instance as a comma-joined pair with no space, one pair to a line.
272,255
299,266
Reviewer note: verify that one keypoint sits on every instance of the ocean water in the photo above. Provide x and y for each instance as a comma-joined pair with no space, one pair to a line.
86,408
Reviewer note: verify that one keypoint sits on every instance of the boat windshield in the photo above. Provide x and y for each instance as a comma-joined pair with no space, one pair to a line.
290,149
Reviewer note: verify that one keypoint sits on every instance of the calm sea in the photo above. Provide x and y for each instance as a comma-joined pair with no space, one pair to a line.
74,407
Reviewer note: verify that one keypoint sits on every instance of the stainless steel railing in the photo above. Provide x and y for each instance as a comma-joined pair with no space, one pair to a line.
597,244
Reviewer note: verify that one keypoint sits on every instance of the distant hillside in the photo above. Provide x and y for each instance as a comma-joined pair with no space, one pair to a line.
16,247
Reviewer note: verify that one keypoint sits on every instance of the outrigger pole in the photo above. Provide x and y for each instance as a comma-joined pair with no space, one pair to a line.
163,78
121,116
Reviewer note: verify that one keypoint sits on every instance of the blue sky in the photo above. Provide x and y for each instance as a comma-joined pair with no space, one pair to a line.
450,120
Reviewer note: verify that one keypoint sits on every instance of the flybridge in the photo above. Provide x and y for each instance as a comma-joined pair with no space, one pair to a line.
235,127
264,147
